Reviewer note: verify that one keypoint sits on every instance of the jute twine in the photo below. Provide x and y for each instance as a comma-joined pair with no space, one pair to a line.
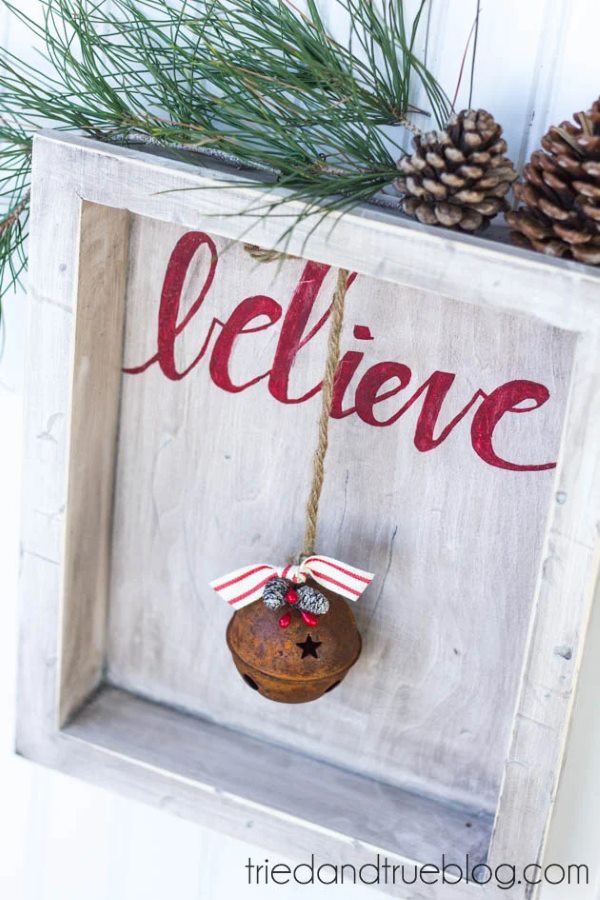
333,358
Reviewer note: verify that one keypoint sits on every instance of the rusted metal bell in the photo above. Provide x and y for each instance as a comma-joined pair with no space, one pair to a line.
298,663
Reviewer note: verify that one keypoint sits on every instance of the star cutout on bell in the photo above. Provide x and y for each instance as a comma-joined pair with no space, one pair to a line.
309,647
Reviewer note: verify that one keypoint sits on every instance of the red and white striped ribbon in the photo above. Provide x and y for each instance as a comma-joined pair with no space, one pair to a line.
246,585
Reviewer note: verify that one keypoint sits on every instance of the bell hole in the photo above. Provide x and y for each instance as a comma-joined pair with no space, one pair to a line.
332,686
250,682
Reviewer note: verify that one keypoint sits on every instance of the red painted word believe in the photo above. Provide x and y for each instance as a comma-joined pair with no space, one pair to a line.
380,382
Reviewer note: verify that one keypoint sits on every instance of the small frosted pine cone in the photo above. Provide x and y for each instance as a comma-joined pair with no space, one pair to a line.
458,177
312,600
560,192
275,591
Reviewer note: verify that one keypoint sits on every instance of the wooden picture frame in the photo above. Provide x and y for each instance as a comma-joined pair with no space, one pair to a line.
72,713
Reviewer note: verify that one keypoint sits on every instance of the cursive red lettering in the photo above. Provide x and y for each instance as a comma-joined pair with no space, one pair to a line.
249,309
345,372
437,387
368,390
503,400
380,382
169,328
292,338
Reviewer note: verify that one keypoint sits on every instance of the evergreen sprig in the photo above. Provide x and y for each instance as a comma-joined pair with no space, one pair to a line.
258,81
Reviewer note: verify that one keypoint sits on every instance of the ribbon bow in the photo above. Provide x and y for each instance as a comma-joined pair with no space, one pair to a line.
246,585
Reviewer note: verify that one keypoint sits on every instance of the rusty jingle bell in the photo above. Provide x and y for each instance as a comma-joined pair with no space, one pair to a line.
292,638
294,658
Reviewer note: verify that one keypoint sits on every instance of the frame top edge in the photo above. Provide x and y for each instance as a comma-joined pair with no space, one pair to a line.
216,172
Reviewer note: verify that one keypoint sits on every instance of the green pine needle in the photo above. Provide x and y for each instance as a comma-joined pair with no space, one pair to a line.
256,81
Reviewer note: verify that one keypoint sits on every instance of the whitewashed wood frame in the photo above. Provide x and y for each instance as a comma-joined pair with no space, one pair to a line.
90,700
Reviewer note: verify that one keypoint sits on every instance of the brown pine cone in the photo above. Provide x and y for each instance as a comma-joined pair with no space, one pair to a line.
560,214
457,177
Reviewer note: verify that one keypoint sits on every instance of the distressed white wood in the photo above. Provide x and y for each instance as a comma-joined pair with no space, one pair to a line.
58,829
94,412
205,754
197,500
573,836
491,278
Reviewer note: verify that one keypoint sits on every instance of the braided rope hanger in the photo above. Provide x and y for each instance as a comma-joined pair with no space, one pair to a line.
333,358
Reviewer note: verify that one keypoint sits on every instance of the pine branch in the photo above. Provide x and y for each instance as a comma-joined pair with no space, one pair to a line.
15,156
258,81
13,216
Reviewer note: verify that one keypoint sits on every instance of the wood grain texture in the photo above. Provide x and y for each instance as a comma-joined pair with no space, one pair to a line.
293,785
569,570
93,421
208,481
53,266
514,298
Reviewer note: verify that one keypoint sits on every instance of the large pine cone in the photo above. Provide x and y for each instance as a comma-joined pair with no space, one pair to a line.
561,192
458,177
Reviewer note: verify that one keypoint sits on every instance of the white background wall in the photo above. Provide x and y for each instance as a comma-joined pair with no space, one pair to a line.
537,61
